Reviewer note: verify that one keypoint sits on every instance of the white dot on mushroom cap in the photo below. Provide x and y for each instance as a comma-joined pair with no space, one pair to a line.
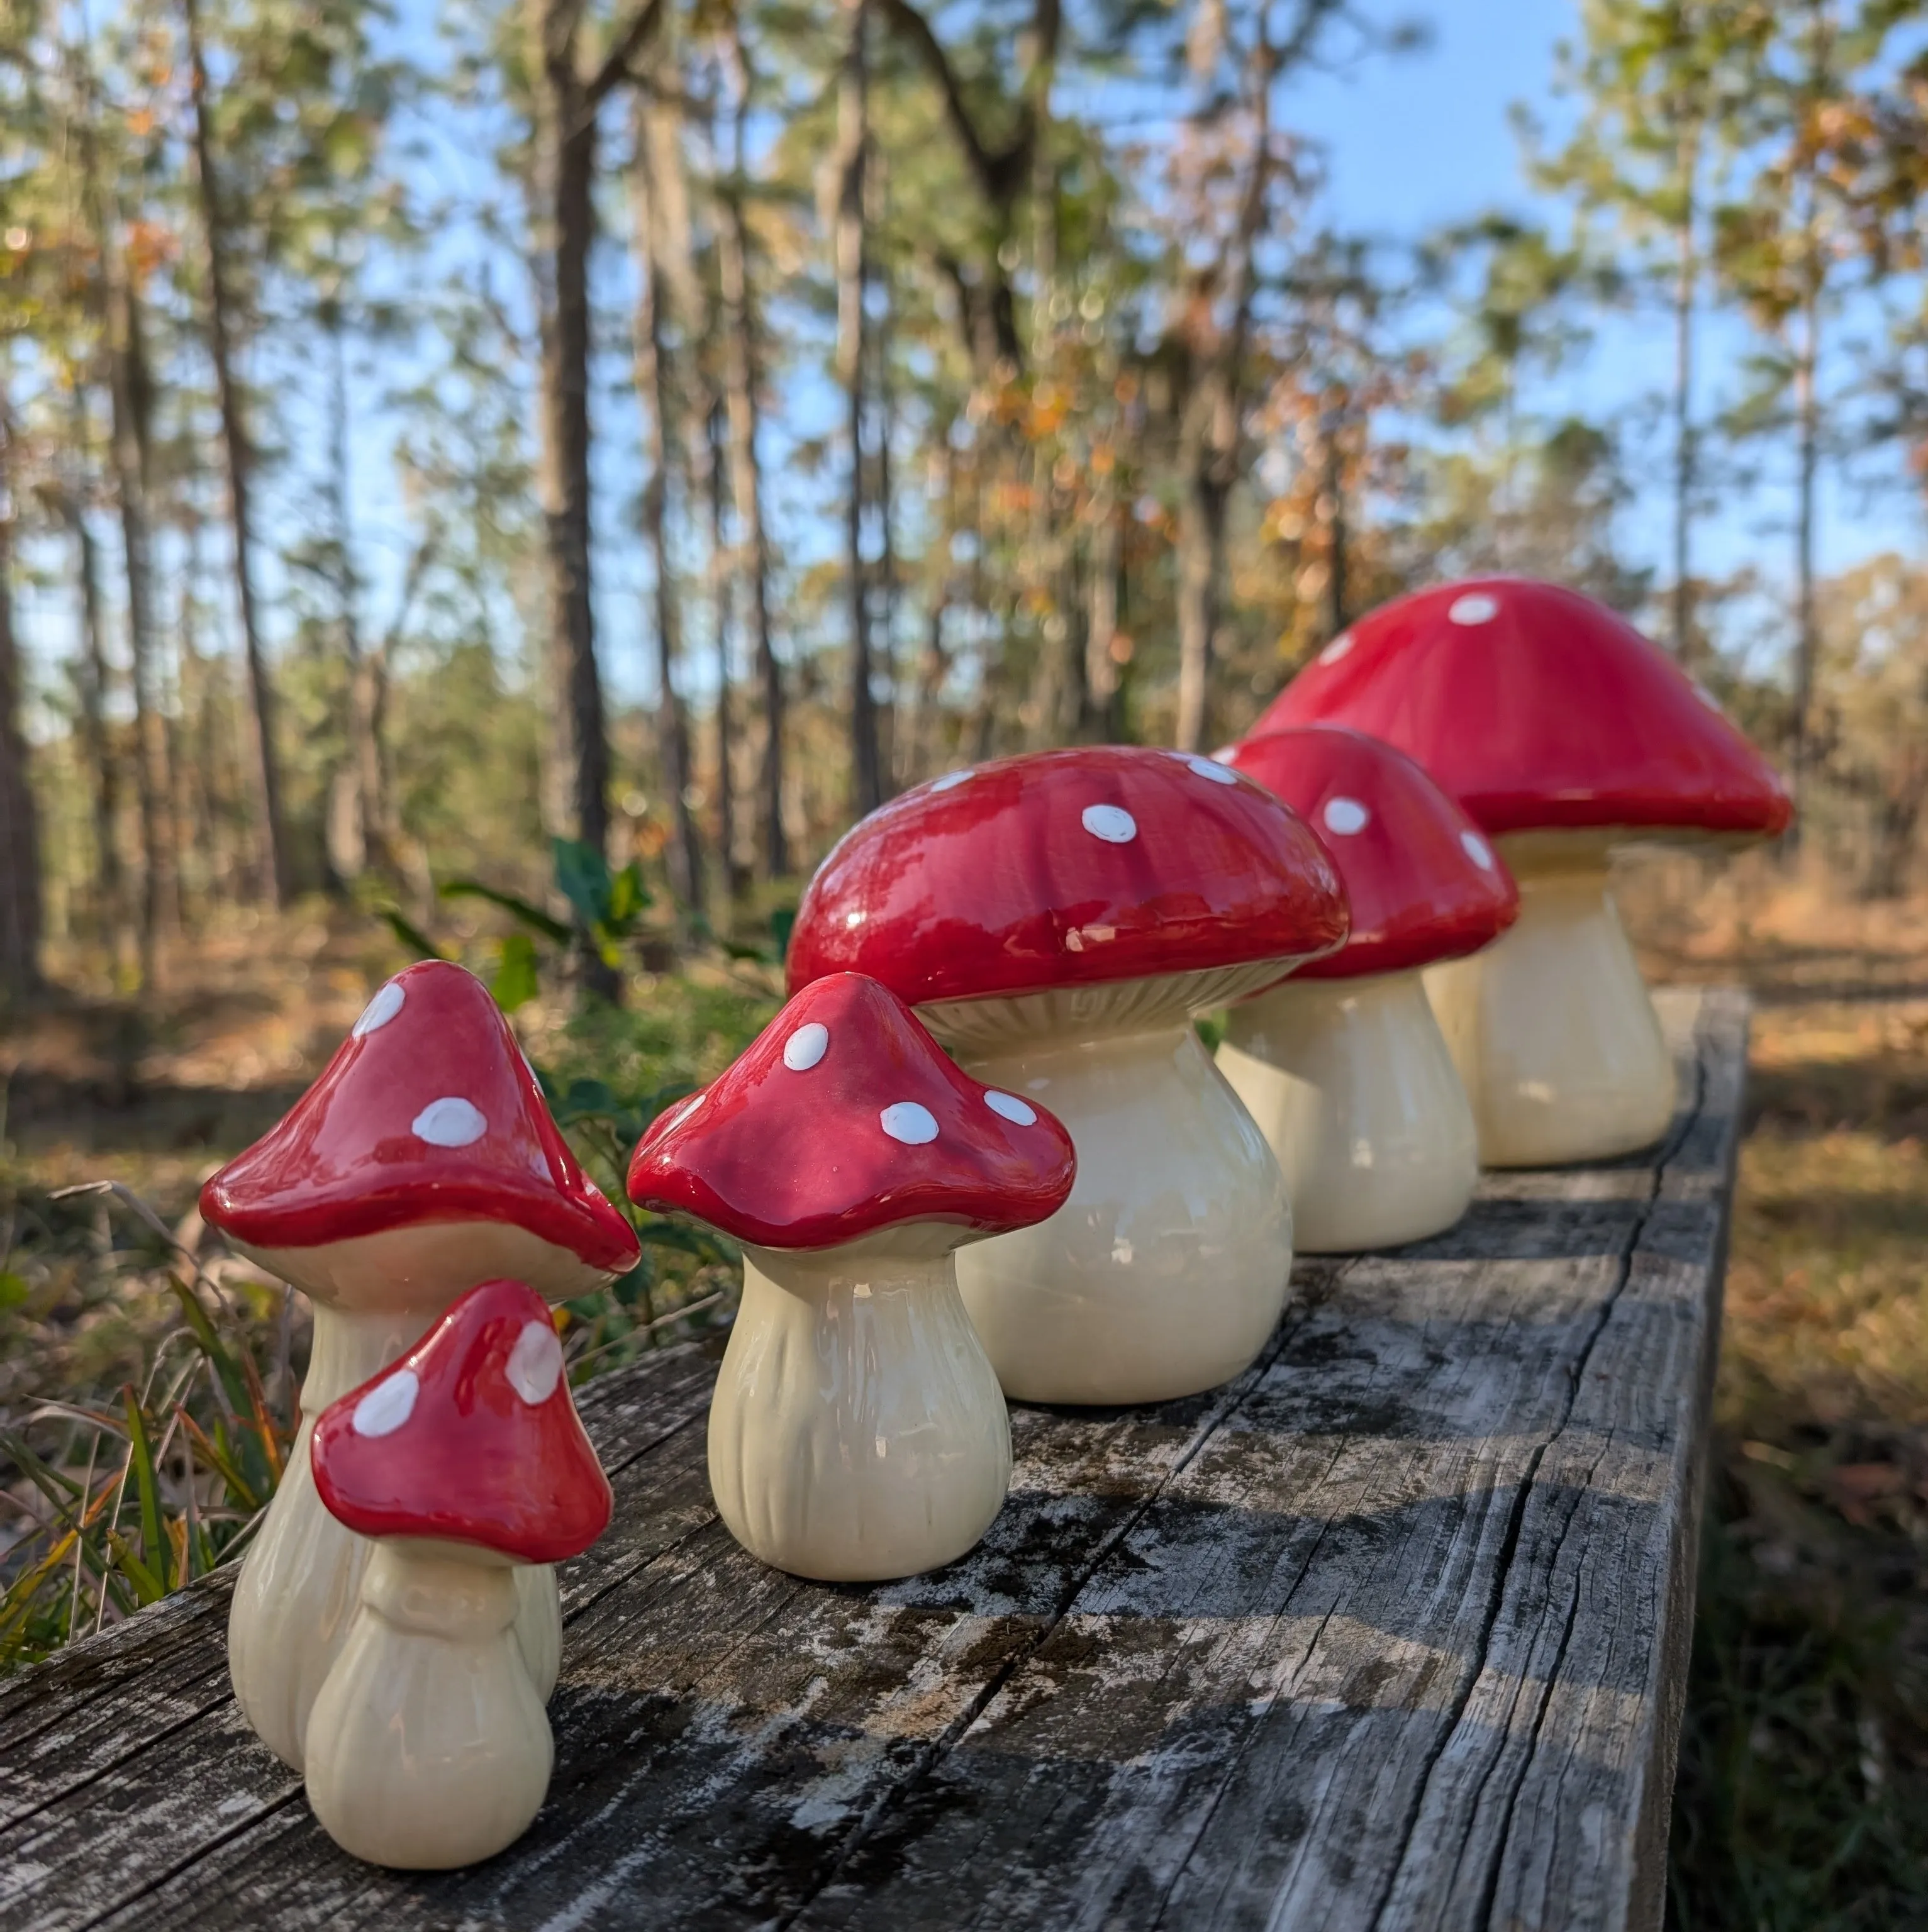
951,781
1206,769
1345,816
1705,696
449,1122
1111,823
388,1405
536,1363
1336,649
1476,607
1477,850
1011,1108
806,1046
907,1121
379,1010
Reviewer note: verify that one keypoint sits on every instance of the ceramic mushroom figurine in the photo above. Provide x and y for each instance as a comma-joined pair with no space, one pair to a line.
1343,1065
1056,920
857,1431
463,1462
422,1161
1568,736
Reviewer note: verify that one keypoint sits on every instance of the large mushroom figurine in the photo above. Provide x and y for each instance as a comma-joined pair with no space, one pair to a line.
1568,737
463,1463
1056,920
421,1162
857,1431
1343,1065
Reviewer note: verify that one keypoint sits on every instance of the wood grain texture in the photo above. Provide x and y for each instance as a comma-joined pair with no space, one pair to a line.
1391,1632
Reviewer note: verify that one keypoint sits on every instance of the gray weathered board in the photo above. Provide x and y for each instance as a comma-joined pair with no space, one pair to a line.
1390,1632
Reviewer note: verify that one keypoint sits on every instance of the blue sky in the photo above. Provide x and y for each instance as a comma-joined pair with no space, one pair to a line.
1413,143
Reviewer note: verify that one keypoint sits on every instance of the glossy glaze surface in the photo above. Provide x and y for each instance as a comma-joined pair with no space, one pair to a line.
429,1746
843,1116
1535,706
1421,879
1165,1271
471,1437
1351,1083
1553,1031
857,1431
427,1112
1080,867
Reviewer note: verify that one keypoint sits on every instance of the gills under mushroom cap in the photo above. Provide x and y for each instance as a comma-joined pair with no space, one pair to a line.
1076,867
427,1113
845,1116
471,1437
1539,710
1422,881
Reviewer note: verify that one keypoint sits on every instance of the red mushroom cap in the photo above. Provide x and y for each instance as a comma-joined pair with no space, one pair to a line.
427,1112
844,1117
471,1437
1538,709
1422,881
1074,867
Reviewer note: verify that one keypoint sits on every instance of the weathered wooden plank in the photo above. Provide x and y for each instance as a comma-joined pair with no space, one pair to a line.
1389,1632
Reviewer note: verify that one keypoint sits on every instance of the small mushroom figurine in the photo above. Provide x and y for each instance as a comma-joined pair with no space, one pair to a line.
422,1161
1056,920
464,1462
857,1431
1568,736
1343,1065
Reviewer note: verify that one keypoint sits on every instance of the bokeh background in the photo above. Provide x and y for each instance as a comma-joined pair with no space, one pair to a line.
515,478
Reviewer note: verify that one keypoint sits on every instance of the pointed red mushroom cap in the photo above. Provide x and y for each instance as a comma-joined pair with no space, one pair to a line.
1423,883
845,1116
1076,868
1539,709
471,1437
427,1114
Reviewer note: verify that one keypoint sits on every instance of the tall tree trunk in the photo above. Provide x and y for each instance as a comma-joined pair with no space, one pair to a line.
576,777
1807,433
739,380
656,391
20,883
723,602
1336,588
132,389
1687,275
102,774
1101,682
264,769
1199,519
358,817
866,775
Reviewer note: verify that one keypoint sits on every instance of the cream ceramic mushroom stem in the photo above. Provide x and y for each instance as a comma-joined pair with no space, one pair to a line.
428,1746
1351,1083
297,1591
1550,1027
1166,1269
857,1431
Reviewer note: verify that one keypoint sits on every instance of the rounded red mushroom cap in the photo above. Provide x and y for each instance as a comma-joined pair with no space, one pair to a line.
1062,868
428,1112
845,1116
1423,882
1538,709
470,1437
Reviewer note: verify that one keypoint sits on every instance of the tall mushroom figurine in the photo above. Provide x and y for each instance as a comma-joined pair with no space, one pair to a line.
1343,1065
857,1431
463,1462
1056,920
1568,736
422,1161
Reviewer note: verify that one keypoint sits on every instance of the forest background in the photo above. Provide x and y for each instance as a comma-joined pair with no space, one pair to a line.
515,477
